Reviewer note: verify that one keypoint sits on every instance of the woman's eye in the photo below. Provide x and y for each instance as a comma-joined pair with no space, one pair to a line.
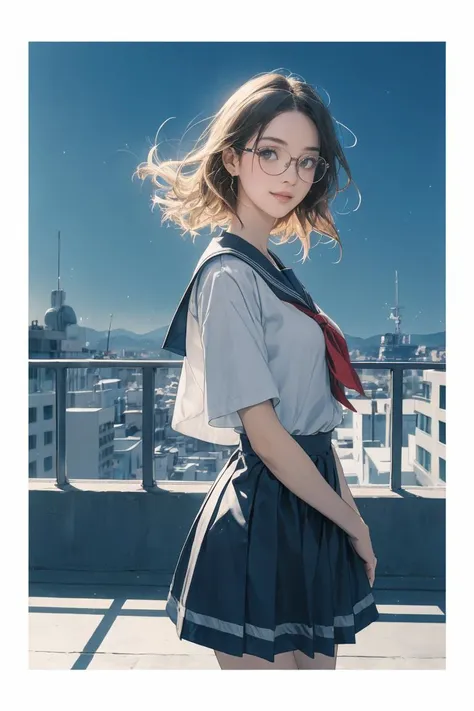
266,153
308,163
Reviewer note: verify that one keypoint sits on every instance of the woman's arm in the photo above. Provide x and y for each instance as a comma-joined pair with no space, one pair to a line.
280,452
345,490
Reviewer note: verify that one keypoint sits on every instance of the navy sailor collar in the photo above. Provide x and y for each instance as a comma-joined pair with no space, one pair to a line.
284,284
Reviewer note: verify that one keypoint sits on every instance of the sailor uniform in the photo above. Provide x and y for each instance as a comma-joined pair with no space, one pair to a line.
261,571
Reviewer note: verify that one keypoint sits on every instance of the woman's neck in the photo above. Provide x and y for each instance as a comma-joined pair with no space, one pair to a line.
256,229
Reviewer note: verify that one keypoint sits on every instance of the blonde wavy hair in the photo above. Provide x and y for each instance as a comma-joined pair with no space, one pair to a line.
205,195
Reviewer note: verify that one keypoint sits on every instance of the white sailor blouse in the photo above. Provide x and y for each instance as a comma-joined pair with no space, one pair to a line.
243,344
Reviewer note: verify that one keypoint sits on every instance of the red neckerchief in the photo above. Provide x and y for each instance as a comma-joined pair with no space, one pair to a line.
341,370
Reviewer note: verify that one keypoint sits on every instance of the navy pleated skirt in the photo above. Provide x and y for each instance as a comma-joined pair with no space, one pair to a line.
262,572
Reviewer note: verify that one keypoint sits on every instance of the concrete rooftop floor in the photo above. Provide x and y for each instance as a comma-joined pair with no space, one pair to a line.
76,626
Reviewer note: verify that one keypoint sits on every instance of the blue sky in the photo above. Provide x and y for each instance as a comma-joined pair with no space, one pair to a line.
94,109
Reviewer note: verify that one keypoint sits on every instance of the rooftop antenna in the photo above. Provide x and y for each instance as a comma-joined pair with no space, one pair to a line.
395,310
108,335
57,295
59,260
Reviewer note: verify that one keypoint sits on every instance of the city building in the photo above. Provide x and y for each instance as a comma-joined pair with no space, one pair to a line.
133,421
427,446
90,442
41,434
377,464
111,393
363,441
127,458
59,338
397,346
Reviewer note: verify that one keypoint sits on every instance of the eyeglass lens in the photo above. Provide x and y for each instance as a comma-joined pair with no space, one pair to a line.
274,160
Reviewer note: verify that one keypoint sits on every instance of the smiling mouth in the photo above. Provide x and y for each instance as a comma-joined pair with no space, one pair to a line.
282,196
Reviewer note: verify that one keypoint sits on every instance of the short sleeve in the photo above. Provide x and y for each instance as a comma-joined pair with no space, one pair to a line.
236,369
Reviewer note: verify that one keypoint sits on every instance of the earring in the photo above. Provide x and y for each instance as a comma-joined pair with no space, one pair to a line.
232,185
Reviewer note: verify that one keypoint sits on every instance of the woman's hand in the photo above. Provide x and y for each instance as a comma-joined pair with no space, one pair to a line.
363,547
370,570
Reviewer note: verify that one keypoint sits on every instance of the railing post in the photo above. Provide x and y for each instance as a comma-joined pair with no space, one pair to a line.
148,426
396,435
61,380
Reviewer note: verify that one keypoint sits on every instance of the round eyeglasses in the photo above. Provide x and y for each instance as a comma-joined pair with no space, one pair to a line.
274,160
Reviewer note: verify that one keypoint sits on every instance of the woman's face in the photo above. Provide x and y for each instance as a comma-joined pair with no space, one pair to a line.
294,132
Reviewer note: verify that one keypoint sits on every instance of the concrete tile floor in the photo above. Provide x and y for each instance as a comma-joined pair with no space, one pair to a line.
73,626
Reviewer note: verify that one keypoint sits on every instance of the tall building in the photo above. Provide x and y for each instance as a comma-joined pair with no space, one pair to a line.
41,435
427,446
397,346
59,337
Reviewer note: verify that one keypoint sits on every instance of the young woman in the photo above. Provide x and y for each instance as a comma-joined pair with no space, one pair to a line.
278,566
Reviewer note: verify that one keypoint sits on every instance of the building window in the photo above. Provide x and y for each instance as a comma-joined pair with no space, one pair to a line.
442,432
32,469
48,464
423,422
48,412
442,469
48,438
426,391
423,457
32,442
31,415
442,397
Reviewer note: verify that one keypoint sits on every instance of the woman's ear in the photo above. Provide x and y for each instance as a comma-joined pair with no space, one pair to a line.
230,161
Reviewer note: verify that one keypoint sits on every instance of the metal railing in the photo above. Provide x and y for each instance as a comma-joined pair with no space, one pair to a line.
149,367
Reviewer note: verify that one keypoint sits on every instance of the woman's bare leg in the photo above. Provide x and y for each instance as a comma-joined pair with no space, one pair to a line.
319,661
286,660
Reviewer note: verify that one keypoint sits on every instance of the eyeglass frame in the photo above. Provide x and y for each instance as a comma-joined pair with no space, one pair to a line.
254,150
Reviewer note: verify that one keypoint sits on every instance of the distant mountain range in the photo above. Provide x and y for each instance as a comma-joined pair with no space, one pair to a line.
431,340
122,339
128,340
